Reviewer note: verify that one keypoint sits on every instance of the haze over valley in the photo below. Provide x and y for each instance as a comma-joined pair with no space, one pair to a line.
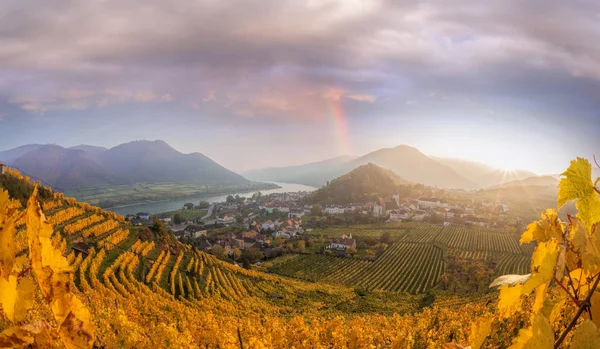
303,174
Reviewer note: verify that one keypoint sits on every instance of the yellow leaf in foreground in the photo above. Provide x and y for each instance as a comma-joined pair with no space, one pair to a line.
545,229
537,336
543,262
586,336
552,308
540,296
577,184
509,300
479,331
8,299
7,236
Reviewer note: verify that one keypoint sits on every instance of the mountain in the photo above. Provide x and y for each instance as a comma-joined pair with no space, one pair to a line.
156,161
140,161
365,183
62,168
412,165
90,149
544,181
315,174
9,156
481,174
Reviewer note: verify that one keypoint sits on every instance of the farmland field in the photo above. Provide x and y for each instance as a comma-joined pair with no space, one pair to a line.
414,263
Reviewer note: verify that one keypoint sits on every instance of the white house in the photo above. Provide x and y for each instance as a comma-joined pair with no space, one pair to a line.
431,203
227,219
399,215
282,233
378,210
342,243
268,225
296,214
333,210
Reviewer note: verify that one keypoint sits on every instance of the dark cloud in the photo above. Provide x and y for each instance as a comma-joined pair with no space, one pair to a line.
280,60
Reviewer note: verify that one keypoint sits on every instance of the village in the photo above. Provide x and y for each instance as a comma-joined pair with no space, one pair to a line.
263,227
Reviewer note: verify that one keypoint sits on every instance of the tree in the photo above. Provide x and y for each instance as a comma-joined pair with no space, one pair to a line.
189,206
158,227
386,238
237,253
203,204
316,210
301,245
328,252
218,251
351,251
239,219
246,263
230,199
178,219
252,255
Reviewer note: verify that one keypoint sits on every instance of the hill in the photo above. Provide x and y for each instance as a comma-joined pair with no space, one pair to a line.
365,183
481,174
63,168
9,156
407,162
412,165
87,166
156,161
315,174
543,181
90,149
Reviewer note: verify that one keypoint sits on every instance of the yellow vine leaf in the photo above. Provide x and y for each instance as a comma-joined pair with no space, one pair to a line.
580,280
509,301
586,336
577,184
20,336
8,290
543,263
552,308
587,245
480,330
8,217
15,337
540,297
595,308
545,229
25,293
537,336
54,274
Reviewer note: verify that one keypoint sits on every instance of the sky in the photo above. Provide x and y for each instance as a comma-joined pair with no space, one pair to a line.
260,83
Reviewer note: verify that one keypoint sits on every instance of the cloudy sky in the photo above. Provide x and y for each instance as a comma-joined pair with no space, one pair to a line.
273,82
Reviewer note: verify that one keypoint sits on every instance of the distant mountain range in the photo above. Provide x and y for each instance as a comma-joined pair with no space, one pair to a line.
139,161
407,162
541,181
365,183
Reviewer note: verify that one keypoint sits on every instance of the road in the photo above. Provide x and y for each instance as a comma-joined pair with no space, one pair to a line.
209,213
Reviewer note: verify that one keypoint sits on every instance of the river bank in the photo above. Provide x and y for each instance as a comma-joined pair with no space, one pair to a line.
160,206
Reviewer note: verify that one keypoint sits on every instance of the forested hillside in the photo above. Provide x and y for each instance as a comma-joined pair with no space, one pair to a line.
367,182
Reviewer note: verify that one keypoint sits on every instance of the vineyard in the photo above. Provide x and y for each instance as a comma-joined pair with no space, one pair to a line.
415,262
126,292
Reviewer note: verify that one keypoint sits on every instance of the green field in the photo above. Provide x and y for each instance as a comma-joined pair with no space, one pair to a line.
416,260
188,215
111,195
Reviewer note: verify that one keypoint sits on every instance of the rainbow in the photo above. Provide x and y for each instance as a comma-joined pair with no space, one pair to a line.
338,120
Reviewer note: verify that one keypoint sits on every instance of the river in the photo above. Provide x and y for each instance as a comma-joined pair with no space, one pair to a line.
155,207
